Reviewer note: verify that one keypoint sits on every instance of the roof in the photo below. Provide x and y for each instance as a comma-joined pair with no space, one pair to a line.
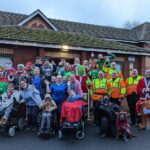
71,33
9,19
55,37
143,31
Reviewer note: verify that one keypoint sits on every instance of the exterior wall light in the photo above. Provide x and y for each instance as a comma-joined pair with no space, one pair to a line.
65,48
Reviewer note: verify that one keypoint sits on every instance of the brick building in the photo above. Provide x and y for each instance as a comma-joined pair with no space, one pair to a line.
24,37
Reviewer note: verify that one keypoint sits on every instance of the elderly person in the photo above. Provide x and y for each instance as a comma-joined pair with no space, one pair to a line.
109,71
32,99
132,94
7,100
75,85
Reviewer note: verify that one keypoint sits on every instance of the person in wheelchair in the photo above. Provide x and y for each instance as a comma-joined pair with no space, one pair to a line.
107,117
47,106
8,99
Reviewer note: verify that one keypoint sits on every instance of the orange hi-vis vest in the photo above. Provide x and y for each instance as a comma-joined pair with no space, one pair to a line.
131,84
98,88
116,88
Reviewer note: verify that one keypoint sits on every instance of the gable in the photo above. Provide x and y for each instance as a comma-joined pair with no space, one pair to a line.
37,22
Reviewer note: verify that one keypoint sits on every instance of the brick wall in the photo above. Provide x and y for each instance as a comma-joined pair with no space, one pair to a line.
24,54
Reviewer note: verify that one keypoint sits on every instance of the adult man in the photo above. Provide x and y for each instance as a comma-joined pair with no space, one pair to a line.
116,88
132,94
110,70
98,90
143,88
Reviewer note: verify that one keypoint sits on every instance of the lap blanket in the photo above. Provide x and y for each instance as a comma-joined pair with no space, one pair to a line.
72,111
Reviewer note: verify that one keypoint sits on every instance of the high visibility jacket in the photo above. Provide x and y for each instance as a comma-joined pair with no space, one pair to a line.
131,84
116,88
110,71
98,88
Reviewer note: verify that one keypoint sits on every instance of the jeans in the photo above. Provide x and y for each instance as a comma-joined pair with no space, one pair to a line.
6,112
46,116
32,113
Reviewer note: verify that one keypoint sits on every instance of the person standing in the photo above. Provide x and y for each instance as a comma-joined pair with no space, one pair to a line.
143,88
116,88
132,94
98,90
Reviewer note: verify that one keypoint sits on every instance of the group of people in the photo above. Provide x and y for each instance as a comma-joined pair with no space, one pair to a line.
44,86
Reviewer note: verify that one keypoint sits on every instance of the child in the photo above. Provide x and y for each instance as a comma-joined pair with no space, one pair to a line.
48,105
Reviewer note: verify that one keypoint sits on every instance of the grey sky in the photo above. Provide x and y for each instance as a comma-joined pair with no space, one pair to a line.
100,12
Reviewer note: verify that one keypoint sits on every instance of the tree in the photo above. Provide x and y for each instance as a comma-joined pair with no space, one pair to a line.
131,24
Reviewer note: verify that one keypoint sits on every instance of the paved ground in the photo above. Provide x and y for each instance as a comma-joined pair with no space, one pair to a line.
25,140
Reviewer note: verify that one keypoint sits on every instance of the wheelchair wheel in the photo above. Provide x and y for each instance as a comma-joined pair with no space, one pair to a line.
11,131
60,135
80,135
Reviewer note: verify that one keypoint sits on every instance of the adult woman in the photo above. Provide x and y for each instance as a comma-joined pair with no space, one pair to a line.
38,82
32,99
59,92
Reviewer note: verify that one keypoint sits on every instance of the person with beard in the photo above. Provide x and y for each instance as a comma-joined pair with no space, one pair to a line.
143,88
3,81
132,94
109,71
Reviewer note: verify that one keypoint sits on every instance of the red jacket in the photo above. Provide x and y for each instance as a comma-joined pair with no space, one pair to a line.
72,111
82,80
141,88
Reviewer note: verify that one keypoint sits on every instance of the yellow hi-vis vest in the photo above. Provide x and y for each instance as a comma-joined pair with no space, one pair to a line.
98,88
116,88
131,84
